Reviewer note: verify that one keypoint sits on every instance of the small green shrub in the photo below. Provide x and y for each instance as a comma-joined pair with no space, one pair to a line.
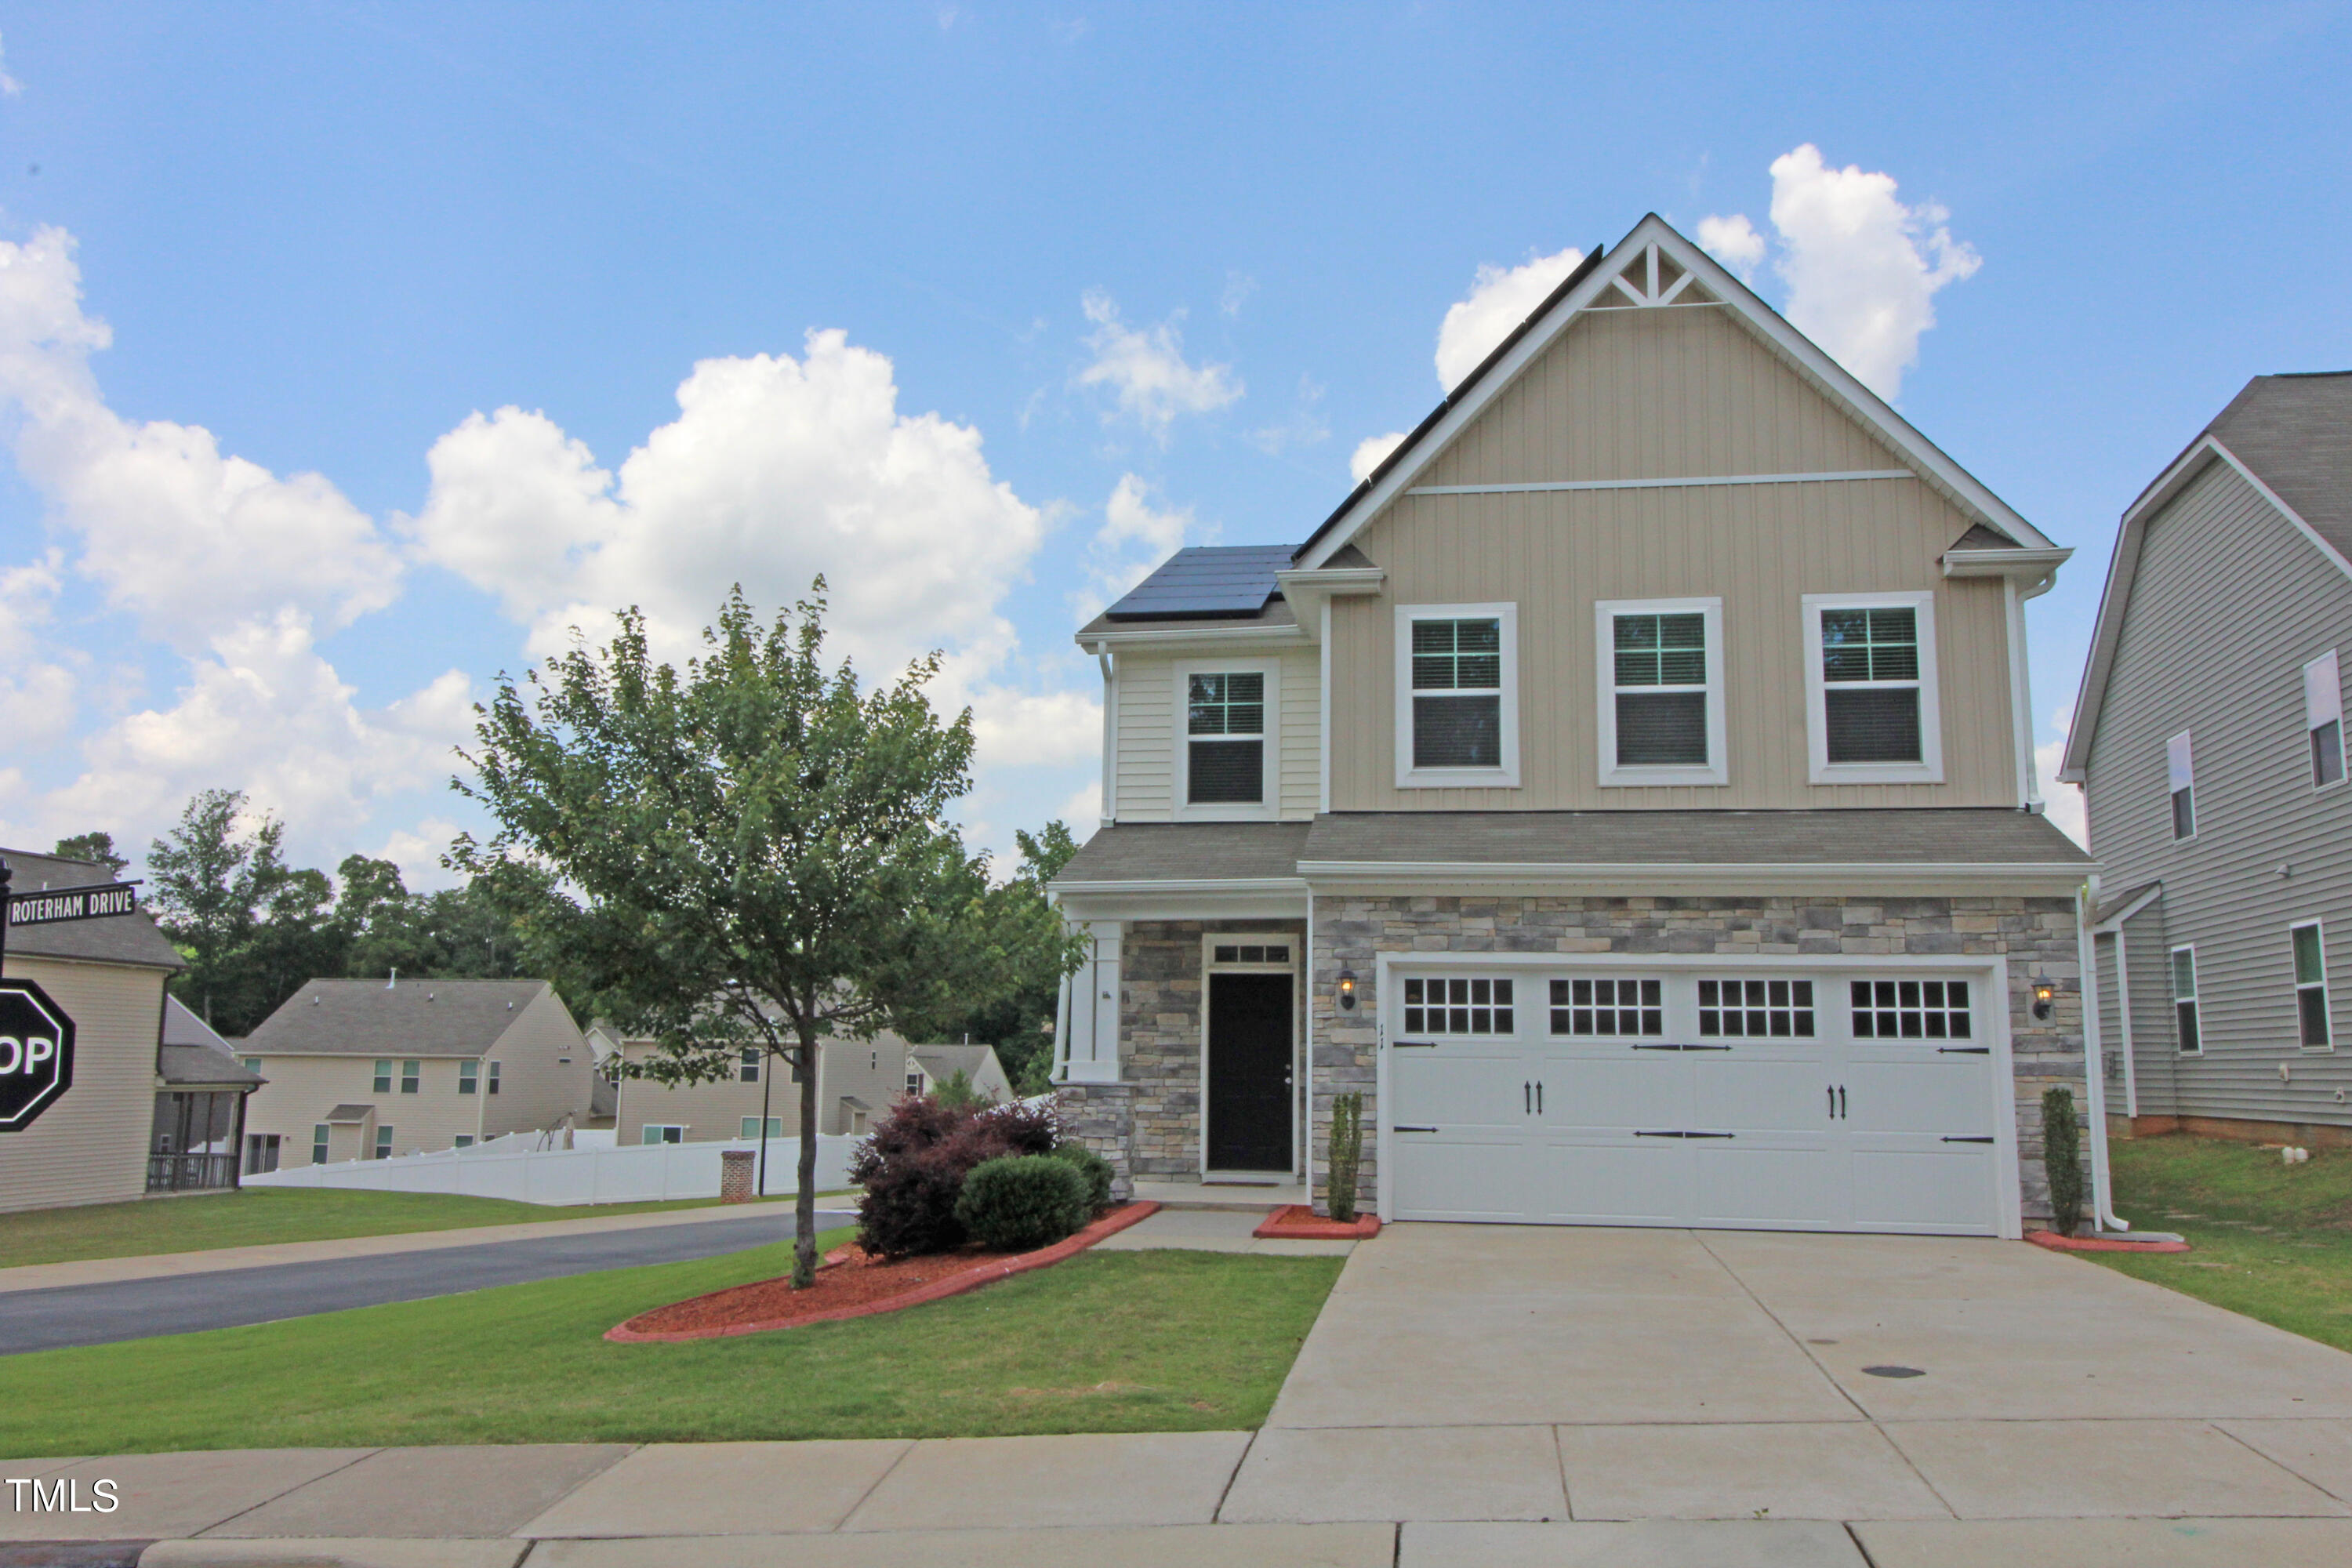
1017,1202
2061,1157
1347,1154
1095,1168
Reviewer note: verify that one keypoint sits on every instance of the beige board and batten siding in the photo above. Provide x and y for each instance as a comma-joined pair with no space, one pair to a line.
1149,727
2229,601
90,1145
1668,392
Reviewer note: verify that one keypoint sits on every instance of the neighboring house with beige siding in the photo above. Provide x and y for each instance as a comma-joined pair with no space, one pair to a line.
92,1144
857,1081
2209,738
929,1066
363,1068
1628,790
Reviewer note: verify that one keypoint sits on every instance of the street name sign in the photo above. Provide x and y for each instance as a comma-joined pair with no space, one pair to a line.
36,1052
54,904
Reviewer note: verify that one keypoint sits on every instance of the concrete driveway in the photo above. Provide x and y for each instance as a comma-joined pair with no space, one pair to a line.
1472,1373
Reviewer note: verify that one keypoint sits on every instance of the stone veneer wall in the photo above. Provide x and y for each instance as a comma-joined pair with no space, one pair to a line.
2036,934
1149,1123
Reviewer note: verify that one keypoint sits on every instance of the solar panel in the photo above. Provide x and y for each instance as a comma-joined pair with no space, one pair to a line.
1225,581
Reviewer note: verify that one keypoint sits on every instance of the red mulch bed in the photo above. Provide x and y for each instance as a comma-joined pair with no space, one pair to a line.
1300,1222
2057,1243
852,1284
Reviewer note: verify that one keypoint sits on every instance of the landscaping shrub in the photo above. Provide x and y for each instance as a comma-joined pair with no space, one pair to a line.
2061,1157
1347,1154
914,1165
1017,1202
1093,1168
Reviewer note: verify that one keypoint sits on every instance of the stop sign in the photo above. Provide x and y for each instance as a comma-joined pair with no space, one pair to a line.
36,1048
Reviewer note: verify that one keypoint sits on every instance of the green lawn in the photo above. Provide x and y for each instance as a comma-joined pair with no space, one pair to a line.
1117,1342
2268,1239
259,1214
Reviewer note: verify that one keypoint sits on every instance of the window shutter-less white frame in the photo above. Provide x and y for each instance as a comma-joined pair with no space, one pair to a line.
1929,768
2180,782
2323,719
1506,774
1717,769
1268,803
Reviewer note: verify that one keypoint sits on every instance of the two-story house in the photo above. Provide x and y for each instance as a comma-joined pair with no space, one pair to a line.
858,1080
363,1069
1628,790
2209,739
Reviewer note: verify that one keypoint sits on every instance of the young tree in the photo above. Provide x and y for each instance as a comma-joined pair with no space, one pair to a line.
98,846
1031,951
764,850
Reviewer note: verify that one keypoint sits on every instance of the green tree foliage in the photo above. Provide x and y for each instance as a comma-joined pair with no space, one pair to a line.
1029,951
218,879
763,850
98,846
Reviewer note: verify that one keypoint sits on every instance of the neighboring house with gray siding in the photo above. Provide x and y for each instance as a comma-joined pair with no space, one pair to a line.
1628,790
2208,741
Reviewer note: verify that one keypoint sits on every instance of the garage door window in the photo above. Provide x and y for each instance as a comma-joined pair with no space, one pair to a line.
1448,1006
1756,1009
1620,1007
1911,1010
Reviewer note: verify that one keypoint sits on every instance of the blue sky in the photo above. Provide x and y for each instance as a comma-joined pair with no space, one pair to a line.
1085,281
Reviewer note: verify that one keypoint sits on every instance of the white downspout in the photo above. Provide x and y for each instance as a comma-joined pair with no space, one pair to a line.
1104,657
2123,1024
2095,1067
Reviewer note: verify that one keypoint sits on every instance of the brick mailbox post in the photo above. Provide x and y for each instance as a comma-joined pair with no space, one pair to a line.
735,1166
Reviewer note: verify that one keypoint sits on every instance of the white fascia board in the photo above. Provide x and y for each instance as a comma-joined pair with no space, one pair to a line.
2024,564
2114,923
1945,475
2115,598
1876,878
1220,638
1307,592
1270,898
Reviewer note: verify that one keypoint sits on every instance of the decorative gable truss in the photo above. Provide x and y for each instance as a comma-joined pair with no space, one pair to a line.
1650,278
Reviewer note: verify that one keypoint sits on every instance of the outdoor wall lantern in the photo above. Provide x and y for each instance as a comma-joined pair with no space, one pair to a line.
2046,998
1348,989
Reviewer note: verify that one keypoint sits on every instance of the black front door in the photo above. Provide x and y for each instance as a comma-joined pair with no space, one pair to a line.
1249,1072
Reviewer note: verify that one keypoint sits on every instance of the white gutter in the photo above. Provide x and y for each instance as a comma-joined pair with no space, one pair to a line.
2095,1067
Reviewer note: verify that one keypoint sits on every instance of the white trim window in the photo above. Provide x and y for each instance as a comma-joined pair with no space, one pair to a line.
1660,663
1871,712
2323,719
2184,1002
494,1077
752,1127
2180,784
464,1141
1459,1005
470,1077
661,1132
2310,945
319,1135
747,1063
411,1077
1229,747
384,1143
1457,696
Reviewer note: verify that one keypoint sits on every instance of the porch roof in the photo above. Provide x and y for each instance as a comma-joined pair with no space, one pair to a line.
1965,836
1188,852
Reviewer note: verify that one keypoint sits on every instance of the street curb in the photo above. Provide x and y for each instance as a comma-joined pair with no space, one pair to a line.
971,1278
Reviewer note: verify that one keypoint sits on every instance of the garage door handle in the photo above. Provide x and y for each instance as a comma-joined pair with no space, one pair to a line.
1539,1096
1527,1097
1414,1045
1710,1135
1964,1050
1967,1140
1422,1130
1657,1048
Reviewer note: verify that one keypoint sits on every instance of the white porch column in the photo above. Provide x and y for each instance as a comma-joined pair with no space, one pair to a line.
1094,1009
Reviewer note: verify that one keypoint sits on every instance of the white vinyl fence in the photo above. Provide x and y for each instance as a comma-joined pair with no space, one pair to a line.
512,1167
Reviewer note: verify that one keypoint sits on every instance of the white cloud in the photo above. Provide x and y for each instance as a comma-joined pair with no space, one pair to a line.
1500,299
1134,539
263,713
417,852
1303,429
2064,801
191,541
37,693
1239,287
1369,453
1863,269
9,85
1734,242
1145,370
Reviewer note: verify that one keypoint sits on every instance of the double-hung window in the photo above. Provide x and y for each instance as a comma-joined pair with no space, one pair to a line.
747,1065
470,1077
319,1144
657,1132
411,1076
2180,781
384,1143
1226,757
1871,709
1457,696
2323,719
2310,986
752,1127
1661,666
494,1077
2184,1000
383,1082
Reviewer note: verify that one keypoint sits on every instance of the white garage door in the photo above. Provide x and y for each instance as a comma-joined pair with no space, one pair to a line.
1811,1100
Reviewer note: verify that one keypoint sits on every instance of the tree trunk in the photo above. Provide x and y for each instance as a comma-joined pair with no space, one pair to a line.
804,1201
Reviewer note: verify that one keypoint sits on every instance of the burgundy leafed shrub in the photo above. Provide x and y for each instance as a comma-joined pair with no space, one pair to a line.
913,1167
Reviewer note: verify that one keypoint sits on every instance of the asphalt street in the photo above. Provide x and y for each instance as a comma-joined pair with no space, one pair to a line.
137,1309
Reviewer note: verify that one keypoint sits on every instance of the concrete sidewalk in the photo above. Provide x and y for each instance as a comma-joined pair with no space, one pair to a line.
162,1265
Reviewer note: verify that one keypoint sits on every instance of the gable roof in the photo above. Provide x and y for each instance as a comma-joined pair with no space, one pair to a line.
1588,287
2290,438
413,1018
190,1053
939,1061
1206,581
110,939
